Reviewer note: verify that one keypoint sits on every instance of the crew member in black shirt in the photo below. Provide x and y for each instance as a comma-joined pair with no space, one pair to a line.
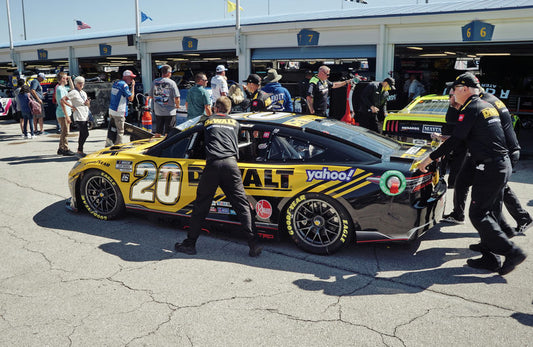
221,170
258,100
372,104
479,125
317,94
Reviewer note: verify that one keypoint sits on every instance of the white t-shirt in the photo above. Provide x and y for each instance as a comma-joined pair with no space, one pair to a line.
218,86
77,98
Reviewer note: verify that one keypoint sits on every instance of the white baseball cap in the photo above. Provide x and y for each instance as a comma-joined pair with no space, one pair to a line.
128,73
221,68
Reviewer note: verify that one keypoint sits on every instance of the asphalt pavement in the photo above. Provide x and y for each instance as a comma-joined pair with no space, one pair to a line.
71,280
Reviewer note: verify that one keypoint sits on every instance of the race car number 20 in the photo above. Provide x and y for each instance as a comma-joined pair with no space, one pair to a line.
162,183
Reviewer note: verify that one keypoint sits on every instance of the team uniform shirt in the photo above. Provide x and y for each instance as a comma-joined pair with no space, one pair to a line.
506,120
479,125
280,98
373,95
221,137
118,105
218,86
197,98
163,92
259,100
319,90
61,91
78,98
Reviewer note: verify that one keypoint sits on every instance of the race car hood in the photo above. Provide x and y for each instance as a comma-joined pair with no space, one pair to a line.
135,147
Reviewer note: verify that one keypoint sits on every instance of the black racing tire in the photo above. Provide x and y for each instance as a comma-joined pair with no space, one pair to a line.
318,223
101,195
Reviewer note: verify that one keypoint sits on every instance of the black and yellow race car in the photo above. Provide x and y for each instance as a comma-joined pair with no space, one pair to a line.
324,182
421,117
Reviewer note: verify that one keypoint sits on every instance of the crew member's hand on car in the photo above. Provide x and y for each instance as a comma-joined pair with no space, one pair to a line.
424,163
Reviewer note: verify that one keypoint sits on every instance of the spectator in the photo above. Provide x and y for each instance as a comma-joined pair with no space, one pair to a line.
18,113
280,97
23,100
80,111
118,104
63,112
37,93
166,100
198,102
219,84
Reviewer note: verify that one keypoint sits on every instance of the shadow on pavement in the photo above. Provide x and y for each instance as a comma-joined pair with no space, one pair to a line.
357,270
38,159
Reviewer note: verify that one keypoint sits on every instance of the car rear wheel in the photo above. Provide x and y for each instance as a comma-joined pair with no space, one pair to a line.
101,195
318,224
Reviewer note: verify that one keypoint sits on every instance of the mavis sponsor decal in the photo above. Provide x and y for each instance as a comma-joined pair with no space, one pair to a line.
329,175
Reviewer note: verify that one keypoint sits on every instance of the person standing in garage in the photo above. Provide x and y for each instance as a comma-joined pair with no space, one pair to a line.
219,84
166,99
118,105
221,170
280,97
198,101
373,104
318,91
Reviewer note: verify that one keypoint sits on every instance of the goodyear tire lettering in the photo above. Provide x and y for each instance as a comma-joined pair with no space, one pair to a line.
318,223
101,195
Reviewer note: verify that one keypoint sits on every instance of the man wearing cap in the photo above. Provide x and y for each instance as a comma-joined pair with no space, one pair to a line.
259,100
118,105
480,126
373,104
280,97
317,93
166,100
36,91
219,84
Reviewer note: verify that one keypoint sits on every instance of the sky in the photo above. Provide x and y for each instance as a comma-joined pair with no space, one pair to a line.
56,18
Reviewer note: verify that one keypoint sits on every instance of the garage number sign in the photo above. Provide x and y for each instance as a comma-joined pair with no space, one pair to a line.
477,31
189,44
105,49
308,37
42,54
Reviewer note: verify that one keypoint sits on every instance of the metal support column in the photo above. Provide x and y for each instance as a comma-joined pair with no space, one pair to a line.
73,66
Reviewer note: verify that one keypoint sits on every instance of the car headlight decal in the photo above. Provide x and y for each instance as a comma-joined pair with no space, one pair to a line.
392,183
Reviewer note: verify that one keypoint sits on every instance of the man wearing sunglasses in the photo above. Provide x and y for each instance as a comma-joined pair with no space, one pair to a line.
479,125
318,90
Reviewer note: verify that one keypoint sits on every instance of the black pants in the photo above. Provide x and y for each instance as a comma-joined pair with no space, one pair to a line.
164,124
465,179
83,128
485,208
369,120
223,173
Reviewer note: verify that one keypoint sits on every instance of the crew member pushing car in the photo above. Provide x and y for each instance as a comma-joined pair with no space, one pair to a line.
480,126
221,170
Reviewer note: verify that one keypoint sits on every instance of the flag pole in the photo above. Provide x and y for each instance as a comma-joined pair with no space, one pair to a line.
137,29
10,34
238,28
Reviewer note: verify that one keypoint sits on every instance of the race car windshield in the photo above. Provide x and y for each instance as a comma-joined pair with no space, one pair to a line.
357,135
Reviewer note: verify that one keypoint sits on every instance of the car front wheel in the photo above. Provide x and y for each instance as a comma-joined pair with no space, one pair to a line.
318,224
101,195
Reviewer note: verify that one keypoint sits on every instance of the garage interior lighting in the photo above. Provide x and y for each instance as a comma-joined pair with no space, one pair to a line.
492,54
434,55
416,48
451,53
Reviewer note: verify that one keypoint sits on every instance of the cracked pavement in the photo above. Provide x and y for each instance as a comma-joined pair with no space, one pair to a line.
72,280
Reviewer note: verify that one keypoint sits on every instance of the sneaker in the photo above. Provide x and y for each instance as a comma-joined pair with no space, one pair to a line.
487,262
451,218
59,151
512,260
81,154
523,226
180,247
68,152
24,136
38,132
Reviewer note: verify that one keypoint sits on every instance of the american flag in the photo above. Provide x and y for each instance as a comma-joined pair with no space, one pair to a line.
81,25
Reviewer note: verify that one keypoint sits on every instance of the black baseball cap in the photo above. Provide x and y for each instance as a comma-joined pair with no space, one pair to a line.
253,78
391,82
466,79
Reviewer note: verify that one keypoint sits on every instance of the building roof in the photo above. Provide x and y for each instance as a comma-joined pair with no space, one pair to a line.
362,12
